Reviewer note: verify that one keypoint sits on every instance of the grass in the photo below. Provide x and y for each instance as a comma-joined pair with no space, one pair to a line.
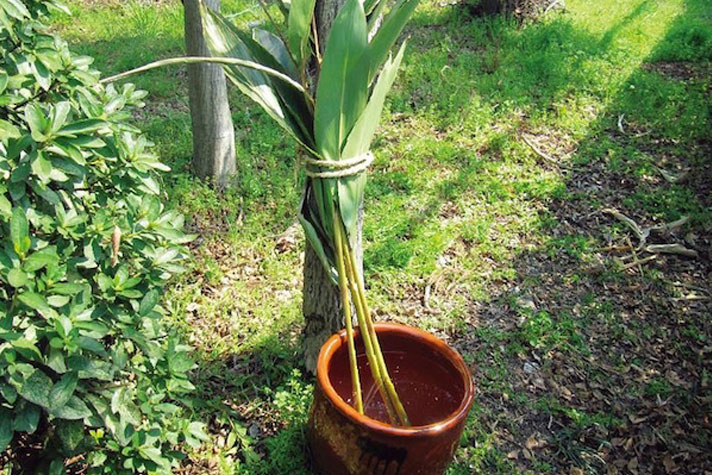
521,264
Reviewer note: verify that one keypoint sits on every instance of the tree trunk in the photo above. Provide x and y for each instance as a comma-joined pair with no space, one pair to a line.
213,133
321,305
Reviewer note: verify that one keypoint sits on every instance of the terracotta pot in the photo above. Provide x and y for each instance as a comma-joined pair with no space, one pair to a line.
434,384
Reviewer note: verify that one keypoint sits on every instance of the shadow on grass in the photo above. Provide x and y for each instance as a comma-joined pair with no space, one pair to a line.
588,360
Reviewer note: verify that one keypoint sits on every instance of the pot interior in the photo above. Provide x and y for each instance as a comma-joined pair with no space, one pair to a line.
427,381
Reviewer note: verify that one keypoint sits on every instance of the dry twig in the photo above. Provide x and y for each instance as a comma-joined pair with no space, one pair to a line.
539,152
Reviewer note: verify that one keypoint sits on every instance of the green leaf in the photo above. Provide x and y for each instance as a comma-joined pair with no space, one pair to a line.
8,392
74,409
15,8
359,139
26,418
59,115
17,278
387,34
38,260
58,301
90,368
5,207
27,349
9,130
276,48
224,40
298,28
37,121
83,126
42,74
20,232
154,454
148,302
34,301
36,388
342,88
42,168
71,433
56,467
5,426
351,189
62,391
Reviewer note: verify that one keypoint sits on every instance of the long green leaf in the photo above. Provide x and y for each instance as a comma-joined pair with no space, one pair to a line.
298,26
281,101
359,140
343,86
222,41
276,47
387,35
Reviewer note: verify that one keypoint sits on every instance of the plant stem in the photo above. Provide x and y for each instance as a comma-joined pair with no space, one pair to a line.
376,368
340,235
360,299
355,381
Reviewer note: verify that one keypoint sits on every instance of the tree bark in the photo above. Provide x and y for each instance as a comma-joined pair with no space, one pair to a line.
213,132
323,314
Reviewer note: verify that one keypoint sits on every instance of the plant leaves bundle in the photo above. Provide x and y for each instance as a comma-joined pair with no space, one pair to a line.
334,126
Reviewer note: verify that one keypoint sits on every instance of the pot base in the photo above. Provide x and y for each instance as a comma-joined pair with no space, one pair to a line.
434,385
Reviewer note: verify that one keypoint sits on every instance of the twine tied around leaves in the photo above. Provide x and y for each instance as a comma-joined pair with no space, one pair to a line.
319,168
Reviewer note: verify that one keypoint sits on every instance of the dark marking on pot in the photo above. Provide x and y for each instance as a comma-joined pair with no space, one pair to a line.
381,459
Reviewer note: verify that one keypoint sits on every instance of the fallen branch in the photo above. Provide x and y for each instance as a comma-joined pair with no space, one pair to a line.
641,233
639,262
539,152
672,177
675,248
672,225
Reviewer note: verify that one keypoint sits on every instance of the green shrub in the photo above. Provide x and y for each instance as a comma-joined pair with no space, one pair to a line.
86,364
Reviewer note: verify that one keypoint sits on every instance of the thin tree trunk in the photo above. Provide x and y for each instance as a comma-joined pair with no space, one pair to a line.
321,305
213,133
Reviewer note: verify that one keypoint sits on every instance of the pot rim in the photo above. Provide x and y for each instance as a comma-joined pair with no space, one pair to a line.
427,339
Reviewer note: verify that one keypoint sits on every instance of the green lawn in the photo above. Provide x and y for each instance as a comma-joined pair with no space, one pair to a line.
583,358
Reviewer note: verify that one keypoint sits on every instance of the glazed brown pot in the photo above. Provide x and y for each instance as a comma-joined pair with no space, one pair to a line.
434,385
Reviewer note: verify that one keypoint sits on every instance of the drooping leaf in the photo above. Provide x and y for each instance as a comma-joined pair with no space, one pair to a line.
225,41
285,104
15,8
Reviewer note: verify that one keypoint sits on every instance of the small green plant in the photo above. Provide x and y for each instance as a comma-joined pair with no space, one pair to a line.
86,246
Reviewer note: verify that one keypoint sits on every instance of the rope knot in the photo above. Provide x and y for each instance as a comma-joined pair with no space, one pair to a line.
319,168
